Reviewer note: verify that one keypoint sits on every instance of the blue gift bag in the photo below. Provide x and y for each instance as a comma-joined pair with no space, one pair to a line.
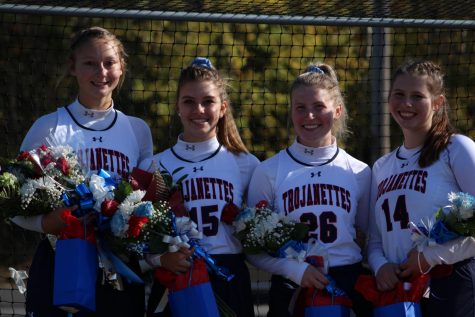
403,309
75,274
197,301
327,311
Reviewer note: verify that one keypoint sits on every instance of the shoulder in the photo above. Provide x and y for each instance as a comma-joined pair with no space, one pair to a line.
267,167
49,119
356,165
42,128
460,149
138,123
159,156
461,141
247,159
383,160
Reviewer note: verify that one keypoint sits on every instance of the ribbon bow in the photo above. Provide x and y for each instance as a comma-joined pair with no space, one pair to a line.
102,187
18,277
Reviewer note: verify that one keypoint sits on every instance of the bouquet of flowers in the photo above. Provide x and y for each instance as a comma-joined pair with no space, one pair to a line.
450,222
120,213
260,229
130,214
34,182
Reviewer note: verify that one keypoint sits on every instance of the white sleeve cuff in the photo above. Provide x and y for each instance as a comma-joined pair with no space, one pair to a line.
294,270
33,223
450,252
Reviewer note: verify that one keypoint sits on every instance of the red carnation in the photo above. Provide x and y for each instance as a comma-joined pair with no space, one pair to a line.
135,224
23,156
229,213
262,204
109,207
43,148
47,159
63,165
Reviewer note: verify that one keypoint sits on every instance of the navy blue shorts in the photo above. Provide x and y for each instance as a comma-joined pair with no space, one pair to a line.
454,295
282,290
109,302
236,294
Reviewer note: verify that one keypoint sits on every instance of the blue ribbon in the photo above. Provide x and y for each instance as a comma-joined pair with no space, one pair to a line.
103,223
332,289
202,62
82,197
441,234
297,246
199,252
119,266
221,272
109,181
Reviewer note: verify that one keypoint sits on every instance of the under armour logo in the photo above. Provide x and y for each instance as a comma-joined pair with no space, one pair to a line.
190,147
90,114
99,139
318,174
195,169
308,152
404,164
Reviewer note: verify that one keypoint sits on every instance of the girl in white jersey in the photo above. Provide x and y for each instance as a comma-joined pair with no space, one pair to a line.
104,138
316,182
412,182
218,167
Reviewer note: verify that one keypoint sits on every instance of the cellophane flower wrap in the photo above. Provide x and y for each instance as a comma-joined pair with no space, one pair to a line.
260,229
450,222
35,181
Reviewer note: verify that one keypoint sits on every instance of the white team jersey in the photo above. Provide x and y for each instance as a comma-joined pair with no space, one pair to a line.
403,192
209,185
114,149
324,196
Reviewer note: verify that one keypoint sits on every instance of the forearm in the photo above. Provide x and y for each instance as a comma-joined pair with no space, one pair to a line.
450,252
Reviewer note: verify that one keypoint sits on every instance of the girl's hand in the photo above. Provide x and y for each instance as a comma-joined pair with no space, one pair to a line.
178,262
415,265
52,222
313,277
387,276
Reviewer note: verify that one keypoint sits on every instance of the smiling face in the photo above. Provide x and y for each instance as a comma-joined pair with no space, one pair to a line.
98,67
314,112
200,107
412,106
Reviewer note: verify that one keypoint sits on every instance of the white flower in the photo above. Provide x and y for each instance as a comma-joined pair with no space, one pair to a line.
463,205
135,197
100,191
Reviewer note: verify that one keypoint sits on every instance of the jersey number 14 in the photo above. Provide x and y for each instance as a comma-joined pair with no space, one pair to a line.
399,214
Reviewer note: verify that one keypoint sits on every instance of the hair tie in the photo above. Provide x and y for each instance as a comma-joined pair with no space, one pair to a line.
315,69
202,62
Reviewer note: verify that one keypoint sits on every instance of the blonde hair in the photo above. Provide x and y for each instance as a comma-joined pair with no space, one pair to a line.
95,32
441,130
227,132
323,76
